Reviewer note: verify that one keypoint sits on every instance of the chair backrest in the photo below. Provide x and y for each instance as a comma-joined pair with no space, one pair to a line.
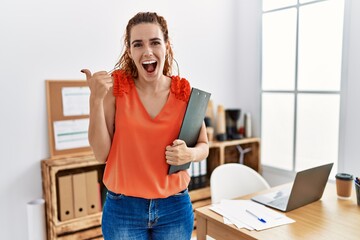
232,180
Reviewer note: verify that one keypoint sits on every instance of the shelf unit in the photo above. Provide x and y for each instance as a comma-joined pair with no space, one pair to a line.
227,152
89,227
77,228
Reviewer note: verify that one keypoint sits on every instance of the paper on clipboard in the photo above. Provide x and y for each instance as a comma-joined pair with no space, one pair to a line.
69,134
75,101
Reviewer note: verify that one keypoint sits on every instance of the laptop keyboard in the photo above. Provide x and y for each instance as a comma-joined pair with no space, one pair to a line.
279,202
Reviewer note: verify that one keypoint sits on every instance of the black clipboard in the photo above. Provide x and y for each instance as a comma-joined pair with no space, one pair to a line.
192,122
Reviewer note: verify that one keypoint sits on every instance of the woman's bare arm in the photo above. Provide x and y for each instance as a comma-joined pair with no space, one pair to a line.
102,113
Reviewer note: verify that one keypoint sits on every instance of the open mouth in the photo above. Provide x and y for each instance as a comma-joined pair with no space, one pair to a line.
149,66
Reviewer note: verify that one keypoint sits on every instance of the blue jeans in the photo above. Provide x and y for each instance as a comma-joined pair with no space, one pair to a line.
132,218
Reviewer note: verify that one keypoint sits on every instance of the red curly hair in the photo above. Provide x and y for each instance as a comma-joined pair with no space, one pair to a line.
125,63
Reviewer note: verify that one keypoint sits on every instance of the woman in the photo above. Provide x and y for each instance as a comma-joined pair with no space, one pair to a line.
135,117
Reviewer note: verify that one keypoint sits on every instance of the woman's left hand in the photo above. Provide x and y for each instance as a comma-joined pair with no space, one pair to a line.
178,153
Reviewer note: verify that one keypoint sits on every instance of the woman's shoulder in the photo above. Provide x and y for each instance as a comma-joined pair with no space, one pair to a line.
181,88
122,82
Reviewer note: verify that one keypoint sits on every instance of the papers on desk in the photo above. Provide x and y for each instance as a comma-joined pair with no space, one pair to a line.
250,215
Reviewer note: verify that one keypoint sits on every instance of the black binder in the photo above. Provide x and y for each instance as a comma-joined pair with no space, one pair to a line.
192,122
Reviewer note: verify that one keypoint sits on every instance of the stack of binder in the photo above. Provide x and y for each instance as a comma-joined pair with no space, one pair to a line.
79,195
198,174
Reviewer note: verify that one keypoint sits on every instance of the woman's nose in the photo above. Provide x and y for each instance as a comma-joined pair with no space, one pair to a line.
147,50
148,53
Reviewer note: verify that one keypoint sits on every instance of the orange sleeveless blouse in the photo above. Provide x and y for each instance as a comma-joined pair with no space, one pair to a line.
136,164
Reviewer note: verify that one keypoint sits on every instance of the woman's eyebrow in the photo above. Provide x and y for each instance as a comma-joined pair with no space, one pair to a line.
136,41
155,39
151,40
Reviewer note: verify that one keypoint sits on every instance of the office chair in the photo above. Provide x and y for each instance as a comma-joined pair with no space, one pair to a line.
233,180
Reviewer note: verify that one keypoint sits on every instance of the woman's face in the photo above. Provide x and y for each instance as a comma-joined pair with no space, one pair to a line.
148,50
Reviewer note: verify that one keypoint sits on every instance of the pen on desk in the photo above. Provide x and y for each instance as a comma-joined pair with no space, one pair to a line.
254,215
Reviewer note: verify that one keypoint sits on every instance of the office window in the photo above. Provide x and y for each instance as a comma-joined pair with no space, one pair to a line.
279,74
301,79
275,4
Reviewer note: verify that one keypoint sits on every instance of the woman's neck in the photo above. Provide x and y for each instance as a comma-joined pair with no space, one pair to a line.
154,86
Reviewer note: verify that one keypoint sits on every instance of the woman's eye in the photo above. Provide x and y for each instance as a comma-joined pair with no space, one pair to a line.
155,43
137,45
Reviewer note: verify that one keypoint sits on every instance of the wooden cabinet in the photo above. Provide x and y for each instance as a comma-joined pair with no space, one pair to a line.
89,226
86,227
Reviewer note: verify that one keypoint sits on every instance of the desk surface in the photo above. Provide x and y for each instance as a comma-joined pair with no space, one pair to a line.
328,218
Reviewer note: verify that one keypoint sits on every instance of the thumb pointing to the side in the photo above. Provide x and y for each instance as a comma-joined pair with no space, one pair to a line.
87,73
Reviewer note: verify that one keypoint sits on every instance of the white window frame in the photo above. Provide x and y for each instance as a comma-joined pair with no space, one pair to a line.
341,92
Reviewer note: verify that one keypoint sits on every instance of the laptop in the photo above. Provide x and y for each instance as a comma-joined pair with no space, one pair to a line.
308,187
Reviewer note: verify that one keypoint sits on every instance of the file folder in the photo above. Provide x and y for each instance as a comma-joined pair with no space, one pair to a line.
192,122
66,206
190,171
196,177
203,173
79,187
92,192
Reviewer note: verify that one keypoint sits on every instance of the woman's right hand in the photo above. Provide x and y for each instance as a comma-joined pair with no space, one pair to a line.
99,83
102,113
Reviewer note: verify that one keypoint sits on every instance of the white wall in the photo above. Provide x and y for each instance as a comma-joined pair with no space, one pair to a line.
43,40
248,78
216,42
349,146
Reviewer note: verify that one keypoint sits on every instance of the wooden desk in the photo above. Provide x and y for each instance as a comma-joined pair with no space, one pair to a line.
328,218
